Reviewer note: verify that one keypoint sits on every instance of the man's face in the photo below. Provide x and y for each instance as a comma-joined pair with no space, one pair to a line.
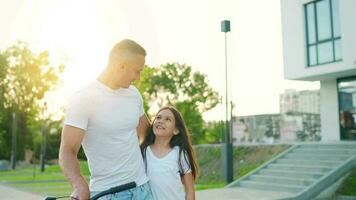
133,68
137,67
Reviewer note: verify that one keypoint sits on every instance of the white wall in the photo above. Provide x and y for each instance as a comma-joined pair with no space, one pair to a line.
294,43
329,111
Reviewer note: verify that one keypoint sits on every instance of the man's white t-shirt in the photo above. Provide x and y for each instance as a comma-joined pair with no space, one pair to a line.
109,118
164,174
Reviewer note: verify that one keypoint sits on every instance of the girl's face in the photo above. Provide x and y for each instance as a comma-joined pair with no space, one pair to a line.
165,125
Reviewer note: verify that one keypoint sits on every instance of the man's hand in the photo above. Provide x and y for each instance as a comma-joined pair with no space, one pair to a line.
81,193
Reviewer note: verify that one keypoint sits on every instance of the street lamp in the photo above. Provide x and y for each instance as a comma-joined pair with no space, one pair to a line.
227,147
13,140
44,137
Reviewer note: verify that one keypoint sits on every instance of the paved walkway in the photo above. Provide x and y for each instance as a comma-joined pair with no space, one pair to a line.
8,193
239,194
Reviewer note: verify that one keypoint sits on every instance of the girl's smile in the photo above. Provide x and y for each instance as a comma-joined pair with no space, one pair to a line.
164,124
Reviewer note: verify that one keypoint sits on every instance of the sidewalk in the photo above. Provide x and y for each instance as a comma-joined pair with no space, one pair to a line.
8,193
239,194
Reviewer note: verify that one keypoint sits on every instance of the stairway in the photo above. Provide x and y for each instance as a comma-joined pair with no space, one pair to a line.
303,170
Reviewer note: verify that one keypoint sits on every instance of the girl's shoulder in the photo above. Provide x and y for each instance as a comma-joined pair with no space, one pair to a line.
176,148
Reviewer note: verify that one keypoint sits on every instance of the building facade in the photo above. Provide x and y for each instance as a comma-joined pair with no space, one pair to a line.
275,128
319,44
306,101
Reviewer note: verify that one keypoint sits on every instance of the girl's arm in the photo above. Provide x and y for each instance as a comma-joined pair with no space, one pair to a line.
188,181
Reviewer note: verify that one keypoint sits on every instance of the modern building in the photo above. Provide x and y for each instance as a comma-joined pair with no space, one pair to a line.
306,101
319,44
274,128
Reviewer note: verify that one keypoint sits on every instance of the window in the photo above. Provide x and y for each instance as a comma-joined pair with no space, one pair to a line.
322,32
347,111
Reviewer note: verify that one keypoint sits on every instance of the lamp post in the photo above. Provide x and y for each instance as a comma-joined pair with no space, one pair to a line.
13,140
227,158
44,137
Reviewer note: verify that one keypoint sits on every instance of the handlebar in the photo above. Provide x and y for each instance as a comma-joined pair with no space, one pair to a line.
112,190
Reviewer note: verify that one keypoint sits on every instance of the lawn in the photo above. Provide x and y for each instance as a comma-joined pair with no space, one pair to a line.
348,187
50,183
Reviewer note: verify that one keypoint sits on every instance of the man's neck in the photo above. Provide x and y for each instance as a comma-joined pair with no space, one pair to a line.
106,77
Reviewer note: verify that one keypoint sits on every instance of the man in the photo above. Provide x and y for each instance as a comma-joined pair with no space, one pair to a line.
105,118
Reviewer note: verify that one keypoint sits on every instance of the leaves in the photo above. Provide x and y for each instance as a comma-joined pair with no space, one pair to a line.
175,84
26,77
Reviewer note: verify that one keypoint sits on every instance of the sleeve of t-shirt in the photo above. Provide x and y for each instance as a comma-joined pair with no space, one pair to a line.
142,110
77,112
185,163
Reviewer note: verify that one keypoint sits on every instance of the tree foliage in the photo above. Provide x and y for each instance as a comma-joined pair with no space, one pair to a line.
175,84
25,77
214,132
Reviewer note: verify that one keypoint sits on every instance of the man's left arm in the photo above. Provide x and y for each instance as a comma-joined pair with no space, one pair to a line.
142,127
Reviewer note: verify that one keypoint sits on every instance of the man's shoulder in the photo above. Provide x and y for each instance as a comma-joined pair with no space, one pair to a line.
134,90
87,92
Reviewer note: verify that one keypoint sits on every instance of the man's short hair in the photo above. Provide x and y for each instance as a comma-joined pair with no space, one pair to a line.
125,47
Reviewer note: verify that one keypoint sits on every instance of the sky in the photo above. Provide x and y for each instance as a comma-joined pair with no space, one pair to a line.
80,33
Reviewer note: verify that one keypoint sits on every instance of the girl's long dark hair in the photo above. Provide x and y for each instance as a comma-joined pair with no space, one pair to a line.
182,140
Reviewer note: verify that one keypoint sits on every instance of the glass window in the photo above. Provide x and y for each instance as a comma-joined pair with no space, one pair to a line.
312,55
323,32
311,24
335,11
323,19
347,102
325,51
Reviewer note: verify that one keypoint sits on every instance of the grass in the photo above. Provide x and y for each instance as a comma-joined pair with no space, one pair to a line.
348,187
208,186
50,183
246,158
53,183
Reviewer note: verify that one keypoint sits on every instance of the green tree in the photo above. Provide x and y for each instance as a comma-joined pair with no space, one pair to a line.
175,84
26,77
4,123
214,132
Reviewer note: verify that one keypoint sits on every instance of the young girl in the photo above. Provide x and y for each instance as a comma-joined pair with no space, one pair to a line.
169,157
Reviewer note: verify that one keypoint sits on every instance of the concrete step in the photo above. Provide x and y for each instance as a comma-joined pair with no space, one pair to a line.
324,151
304,156
270,186
289,173
282,180
308,162
329,146
300,168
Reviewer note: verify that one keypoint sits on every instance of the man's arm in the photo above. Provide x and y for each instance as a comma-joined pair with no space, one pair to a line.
142,127
69,163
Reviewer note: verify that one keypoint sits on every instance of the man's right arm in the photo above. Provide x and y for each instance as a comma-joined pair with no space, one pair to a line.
70,144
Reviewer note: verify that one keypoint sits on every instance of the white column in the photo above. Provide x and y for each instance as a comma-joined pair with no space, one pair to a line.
329,111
